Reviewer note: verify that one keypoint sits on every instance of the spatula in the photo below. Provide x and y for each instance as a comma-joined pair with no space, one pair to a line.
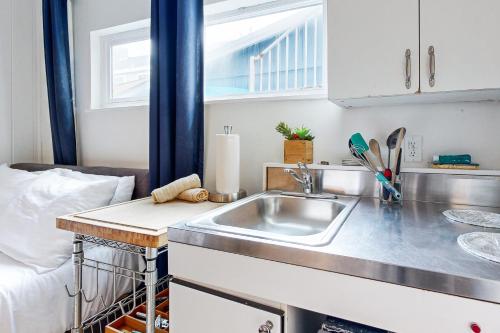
362,148
392,141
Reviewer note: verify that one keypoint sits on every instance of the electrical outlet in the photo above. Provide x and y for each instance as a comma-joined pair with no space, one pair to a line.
413,148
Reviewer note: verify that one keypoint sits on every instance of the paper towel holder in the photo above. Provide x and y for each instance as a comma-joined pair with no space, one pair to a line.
227,197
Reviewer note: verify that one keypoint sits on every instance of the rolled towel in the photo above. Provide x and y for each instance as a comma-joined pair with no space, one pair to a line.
172,190
194,195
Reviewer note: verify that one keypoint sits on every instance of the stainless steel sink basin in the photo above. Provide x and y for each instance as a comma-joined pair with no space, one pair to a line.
281,217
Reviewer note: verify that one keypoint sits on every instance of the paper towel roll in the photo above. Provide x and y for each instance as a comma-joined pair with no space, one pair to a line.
227,163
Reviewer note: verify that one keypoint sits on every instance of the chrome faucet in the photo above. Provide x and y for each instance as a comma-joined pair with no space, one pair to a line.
304,177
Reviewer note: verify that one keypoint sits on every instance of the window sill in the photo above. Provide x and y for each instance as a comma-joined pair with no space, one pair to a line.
313,94
270,97
120,107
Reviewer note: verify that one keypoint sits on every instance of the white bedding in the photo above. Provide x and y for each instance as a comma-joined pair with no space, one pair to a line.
32,302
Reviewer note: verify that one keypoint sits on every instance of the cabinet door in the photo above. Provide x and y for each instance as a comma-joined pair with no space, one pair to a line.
465,35
196,309
367,43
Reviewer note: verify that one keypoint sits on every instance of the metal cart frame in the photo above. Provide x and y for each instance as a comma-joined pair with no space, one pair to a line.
149,277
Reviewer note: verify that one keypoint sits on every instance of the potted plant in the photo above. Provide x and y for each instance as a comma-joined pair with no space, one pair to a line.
298,146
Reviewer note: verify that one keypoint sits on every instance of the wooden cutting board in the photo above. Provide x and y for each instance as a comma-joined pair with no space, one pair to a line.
140,222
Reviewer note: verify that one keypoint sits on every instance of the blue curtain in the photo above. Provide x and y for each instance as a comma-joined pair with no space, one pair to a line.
59,88
176,98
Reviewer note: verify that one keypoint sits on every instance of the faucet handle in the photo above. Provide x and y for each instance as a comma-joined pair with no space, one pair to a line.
304,171
303,167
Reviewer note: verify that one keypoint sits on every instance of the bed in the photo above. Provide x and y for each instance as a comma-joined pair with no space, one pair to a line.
32,302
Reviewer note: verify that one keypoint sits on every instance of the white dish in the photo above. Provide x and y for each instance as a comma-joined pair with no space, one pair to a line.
474,217
482,244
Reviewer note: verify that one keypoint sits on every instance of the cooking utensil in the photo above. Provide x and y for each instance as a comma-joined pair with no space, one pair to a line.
399,142
391,142
388,176
358,152
362,148
375,149
398,164
396,177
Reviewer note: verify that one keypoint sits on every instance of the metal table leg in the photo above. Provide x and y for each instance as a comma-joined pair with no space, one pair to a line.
77,285
151,278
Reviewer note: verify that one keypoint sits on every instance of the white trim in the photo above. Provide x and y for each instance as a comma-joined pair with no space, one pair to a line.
221,15
304,94
11,78
36,84
315,94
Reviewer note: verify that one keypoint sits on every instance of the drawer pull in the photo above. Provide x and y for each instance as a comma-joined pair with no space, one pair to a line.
408,69
266,328
432,66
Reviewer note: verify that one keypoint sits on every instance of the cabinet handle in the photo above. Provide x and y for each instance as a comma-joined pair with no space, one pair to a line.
432,66
266,328
408,69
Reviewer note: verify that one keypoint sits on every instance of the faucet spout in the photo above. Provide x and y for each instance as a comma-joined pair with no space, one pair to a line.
303,177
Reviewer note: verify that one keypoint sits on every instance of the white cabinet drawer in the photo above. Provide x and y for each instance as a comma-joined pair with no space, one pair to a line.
197,309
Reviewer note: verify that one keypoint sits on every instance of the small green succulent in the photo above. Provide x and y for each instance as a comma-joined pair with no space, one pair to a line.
300,133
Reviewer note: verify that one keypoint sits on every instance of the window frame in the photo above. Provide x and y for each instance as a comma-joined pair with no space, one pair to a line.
102,43
266,9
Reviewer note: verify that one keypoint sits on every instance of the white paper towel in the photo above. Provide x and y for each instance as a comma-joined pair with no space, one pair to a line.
227,163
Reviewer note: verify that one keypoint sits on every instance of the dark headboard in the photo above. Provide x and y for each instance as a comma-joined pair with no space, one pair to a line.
141,188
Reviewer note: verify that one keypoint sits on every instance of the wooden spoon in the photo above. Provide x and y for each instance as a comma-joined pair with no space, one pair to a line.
375,148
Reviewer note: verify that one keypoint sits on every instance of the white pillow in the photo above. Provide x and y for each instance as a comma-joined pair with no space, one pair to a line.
11,182
28,221
124,189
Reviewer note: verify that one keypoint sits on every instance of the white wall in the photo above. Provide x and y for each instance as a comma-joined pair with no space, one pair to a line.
113,137
119,137
21,94
446,128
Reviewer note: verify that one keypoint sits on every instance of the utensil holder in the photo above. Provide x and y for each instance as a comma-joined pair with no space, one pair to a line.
386,198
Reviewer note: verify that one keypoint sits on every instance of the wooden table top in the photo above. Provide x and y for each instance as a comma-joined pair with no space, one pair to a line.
139,222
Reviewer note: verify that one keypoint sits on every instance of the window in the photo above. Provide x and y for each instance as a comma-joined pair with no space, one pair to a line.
253,48
121,65
269,48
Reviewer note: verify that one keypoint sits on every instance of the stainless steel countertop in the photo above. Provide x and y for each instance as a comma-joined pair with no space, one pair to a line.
413,245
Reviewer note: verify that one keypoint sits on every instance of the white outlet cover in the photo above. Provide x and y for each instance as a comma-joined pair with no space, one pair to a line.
413,148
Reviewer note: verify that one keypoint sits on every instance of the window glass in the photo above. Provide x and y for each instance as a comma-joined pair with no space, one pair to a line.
130,71
269,53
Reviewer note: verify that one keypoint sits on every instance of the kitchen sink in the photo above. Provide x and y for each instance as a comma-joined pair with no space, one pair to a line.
291,218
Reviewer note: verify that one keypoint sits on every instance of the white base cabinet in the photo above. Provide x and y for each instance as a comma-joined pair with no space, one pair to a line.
197,309
378,304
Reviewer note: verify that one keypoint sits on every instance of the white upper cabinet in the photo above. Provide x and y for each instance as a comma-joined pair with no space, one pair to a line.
465,36
454,51
367,48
